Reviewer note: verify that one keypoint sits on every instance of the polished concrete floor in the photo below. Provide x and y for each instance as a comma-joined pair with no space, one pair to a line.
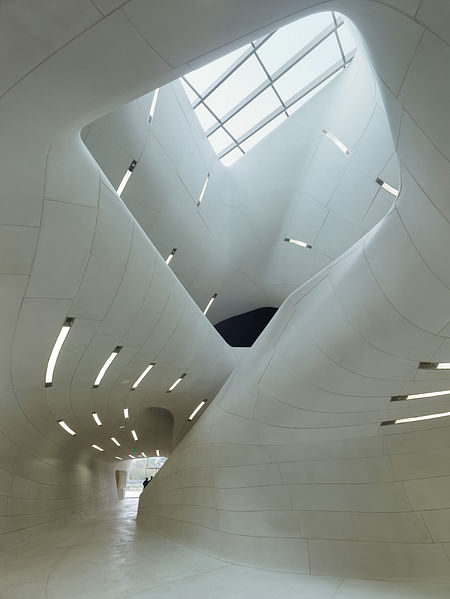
105,556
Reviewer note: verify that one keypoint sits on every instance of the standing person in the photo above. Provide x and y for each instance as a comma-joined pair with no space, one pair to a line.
146,481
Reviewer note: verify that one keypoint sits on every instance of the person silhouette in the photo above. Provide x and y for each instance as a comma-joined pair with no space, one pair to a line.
146,481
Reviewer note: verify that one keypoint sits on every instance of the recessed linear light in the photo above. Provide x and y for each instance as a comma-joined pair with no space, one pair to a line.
66,427
419,395
146,371
157,453
114,440
56,349
387,187
96,418
131,456
203,191
133,433
197,409
177,382
151,114
125,413
143,454
105,366
126,176
434,365
97,448
416,418
170,256
302,244
337,142
117,457
210,303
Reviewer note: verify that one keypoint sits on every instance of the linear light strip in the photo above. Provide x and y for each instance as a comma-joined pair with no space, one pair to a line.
387,187
114,440
151,114
134,435
157,453
138,380
56,349
126,177
105,366
131,456
210,303
302,244
66,427
203,191
125,413
337,142
170,256
97,448
96,418
420,395
143,454
177,382
435,365
416,418
197,409
117,457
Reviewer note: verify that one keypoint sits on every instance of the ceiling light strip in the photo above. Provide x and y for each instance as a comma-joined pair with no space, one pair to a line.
151,114
105,366
177,382
126,177
125,413
415,418
139,380
143,454
392,190
210,303
56,349
302,244
134,435
97,448
157,453
170,256
337,142
131,456
97,419
117,457
434,365
197,409
66,427
203,191
420,395
115,441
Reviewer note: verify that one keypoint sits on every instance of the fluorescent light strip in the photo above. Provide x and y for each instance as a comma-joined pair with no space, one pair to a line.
96,418
66,427
203,191
133,433
210,303
114,440
117,457
297,242
146,371
170,256
126,177
337,142
151,114
434,365
55,351
143,454
105,367
97,448
177,382
387,187
125,414
157,453
420,395
131,456
416,418
197,409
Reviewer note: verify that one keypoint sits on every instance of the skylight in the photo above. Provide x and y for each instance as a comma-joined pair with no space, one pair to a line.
243,96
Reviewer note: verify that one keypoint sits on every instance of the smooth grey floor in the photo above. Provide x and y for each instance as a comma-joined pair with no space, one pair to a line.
105,556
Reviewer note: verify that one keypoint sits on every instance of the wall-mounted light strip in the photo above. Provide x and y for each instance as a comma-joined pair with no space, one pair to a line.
131,456
420,395
157,453
170,256
210,303
177,382
117,457
197,409
66,427
105,367
126,176
97,419
434,365
114,440
97,448
337,142
133,434
302,244
143,454
146,371
203,191
125,413
151,114
416,418
56,349
387,187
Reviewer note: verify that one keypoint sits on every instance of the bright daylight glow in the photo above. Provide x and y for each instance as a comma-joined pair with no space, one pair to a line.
297,242
151,114
177,382
337,142
420,395
96,418
146,371
133,433
387,187
170,256
203,191
66,427
243,96
114,440
117,457
126,177
197,409
157,453
417,418
55,351
97,448
210,303
125,413
105,367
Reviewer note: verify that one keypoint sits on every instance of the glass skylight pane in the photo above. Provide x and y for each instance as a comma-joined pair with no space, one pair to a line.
288,40
205,117
190,94
347,41
305,99
259,135
231,157
202,78
305,71
239,85
220,140
254,112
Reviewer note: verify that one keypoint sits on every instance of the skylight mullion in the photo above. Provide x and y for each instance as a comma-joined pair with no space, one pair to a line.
336,32
263,66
